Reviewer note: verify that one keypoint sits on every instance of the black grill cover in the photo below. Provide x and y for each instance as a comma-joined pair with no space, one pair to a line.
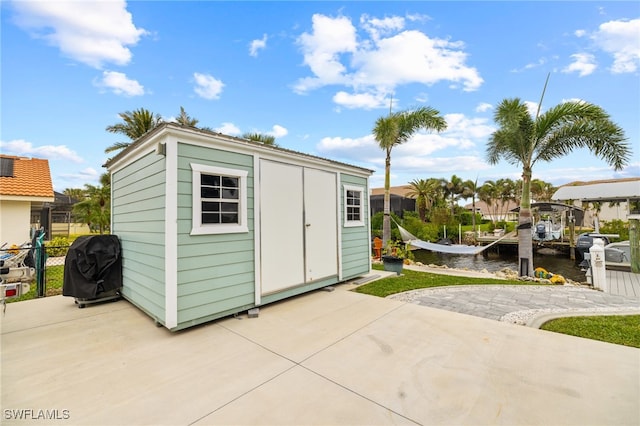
92,266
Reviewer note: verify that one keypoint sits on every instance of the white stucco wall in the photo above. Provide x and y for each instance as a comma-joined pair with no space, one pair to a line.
14,222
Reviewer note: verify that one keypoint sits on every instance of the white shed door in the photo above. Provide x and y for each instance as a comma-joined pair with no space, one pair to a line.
298,225
321,229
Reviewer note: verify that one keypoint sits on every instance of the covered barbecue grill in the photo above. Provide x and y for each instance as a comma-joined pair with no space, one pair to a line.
93,269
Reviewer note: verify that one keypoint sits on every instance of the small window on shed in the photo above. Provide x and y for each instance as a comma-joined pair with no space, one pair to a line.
353,206
6,167
219,200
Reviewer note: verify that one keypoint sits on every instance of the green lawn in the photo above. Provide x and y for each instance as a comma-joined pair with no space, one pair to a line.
619,329
413,280
53,284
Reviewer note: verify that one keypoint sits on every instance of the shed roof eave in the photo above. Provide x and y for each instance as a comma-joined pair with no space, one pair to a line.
149,139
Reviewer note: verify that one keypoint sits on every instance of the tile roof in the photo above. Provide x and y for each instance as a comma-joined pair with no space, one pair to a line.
31,177
396,190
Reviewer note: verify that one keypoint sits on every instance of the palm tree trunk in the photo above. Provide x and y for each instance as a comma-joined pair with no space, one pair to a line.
386,220
473,216
525,242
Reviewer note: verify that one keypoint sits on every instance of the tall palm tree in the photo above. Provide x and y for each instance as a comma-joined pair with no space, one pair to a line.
261,137
524,140
185,119
396,129
135,124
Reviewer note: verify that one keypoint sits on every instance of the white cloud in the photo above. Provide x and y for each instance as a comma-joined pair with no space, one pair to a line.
377,27
583,63
94,33
621,39
579,33
337,144
438,166
74,179
532,107
20,147
322,48
360,100
458,149
256,45
484,107
460,126
278,131
119,84
381,57
207,86
531,65
228,129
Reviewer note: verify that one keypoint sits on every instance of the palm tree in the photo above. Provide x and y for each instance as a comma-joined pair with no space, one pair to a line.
261,137
524,140
185,120
95,208
507,192
76,193
470,189
453,190
489,194
135,124
420,189
395,129
541,190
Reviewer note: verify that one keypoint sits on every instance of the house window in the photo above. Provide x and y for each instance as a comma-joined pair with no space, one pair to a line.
219,200
353,206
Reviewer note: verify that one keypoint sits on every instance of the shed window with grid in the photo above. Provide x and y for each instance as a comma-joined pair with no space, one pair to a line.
353,206
219,200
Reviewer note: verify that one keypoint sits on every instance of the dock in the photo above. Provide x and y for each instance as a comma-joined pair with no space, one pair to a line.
624,283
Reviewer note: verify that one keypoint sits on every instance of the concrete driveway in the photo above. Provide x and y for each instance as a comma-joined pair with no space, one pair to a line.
324,358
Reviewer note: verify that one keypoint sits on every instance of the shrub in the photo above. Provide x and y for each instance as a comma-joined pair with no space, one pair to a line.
58,246
616,226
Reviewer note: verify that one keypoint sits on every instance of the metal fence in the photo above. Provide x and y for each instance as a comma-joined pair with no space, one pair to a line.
31,272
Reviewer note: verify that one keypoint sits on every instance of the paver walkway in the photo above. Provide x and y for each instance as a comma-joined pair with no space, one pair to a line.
520,304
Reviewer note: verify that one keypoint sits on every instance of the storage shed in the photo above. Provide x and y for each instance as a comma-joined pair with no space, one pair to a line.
212,225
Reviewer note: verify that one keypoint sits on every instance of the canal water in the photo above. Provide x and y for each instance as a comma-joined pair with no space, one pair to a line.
492,261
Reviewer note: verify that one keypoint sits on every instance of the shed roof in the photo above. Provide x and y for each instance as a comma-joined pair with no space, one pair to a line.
168,126
600,190
31,177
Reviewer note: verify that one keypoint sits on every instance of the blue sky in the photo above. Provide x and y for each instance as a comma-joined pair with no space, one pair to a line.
316,75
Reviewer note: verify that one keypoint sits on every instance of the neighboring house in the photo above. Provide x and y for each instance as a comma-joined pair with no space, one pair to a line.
399,201
617,198
62,223
496,212
212,225
25,189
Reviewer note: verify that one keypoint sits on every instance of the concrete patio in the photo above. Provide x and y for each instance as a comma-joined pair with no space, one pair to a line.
325,358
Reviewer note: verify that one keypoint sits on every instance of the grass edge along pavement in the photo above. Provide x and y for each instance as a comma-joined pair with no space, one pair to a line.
414,280
616,329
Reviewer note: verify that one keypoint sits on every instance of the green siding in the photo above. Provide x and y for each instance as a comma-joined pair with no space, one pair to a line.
215,272
138,220
356,248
